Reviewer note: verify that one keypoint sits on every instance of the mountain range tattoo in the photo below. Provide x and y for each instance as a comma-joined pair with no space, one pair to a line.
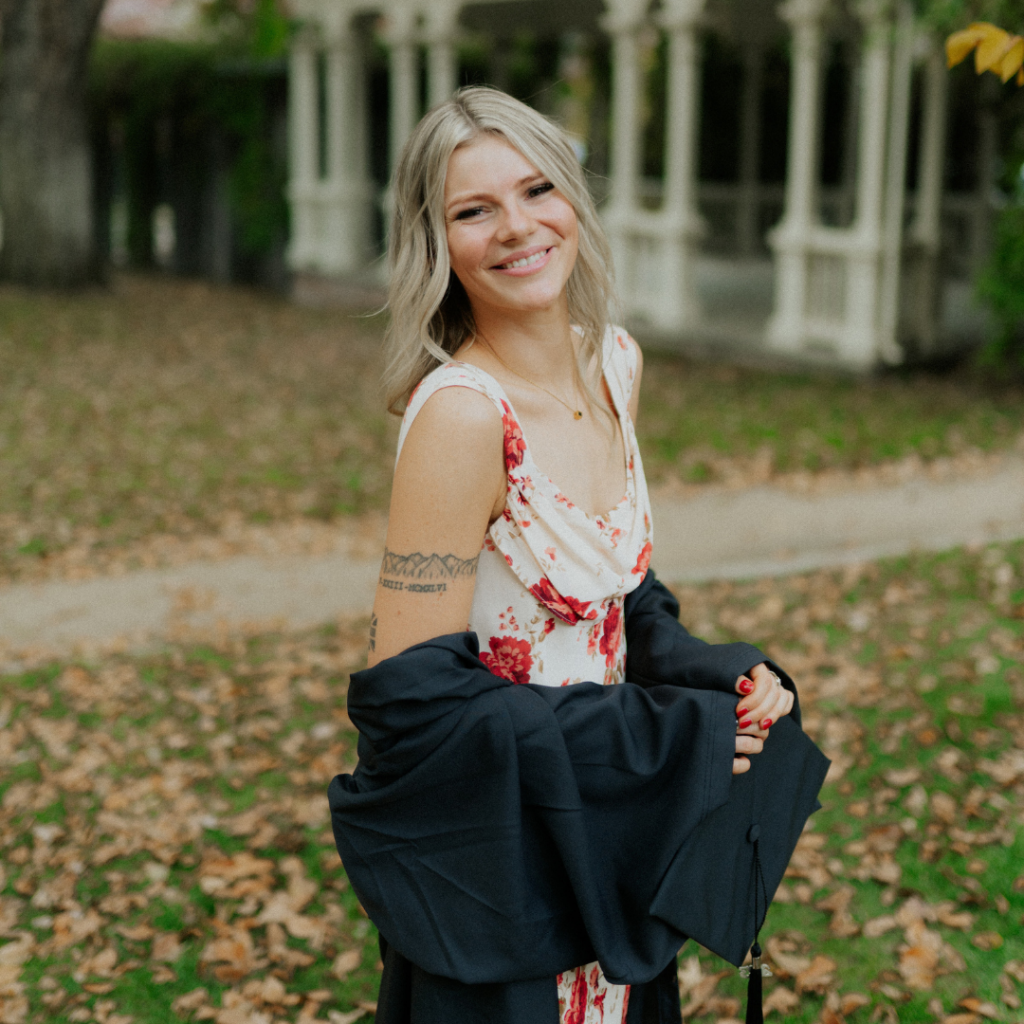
418,566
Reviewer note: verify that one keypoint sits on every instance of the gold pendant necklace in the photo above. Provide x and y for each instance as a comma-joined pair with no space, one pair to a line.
577,414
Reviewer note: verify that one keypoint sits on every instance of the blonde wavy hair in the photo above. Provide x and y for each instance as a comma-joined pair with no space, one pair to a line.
430,311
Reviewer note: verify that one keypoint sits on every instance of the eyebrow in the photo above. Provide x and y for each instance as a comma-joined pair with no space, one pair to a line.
484,195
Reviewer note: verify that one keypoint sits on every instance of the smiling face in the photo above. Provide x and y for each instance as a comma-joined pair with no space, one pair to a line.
512,236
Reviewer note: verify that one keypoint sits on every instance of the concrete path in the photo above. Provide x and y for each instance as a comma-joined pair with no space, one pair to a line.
762,531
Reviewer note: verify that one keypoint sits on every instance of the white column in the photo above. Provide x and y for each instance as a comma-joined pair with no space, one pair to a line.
347,197
860,345
402,39
623,23
889,348
874,107
442,66
791,238
748,211
681,223
303,137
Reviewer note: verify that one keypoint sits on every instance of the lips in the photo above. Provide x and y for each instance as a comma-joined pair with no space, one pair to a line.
526,258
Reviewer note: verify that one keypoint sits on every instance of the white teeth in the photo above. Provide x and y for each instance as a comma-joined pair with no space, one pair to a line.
526,262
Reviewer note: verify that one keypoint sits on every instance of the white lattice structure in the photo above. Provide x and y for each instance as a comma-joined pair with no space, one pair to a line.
846,296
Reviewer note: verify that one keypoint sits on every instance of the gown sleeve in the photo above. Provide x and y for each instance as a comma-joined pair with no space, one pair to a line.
660,651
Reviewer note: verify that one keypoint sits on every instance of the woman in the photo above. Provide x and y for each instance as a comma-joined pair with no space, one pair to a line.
512,379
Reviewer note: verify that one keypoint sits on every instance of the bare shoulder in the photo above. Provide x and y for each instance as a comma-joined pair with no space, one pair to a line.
456,418
452,460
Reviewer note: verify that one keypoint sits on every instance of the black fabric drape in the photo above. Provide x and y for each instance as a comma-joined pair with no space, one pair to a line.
498,834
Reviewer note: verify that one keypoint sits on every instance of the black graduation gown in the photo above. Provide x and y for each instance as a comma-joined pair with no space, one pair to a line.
498,834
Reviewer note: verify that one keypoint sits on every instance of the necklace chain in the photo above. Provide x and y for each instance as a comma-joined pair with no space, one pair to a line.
577,414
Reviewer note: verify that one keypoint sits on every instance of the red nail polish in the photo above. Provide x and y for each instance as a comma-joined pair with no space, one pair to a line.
740,712
745,724
766,723
746,686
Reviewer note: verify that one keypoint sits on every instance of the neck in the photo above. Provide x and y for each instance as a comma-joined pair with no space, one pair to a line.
538,343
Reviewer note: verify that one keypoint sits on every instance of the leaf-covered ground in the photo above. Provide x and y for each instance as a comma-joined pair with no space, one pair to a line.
164,411
166,853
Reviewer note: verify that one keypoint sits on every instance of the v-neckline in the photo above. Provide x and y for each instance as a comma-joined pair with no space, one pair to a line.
528,451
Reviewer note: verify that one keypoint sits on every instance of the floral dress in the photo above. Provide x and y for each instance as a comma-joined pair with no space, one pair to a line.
551,583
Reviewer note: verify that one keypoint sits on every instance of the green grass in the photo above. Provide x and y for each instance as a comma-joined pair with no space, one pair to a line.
177,408
702,422
913,663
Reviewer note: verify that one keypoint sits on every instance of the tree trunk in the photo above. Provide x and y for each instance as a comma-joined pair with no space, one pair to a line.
45,154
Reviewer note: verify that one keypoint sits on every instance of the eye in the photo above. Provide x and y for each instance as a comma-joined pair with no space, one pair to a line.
466,214
539,190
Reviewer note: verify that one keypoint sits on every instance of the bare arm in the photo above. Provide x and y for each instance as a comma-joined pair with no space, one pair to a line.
449,480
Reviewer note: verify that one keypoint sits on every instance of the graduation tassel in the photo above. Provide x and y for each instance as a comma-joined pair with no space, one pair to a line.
756,971
755,1006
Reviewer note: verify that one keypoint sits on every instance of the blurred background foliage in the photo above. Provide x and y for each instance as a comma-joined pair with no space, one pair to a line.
1001,283
199,128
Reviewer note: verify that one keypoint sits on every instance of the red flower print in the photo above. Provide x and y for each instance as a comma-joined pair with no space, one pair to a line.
551,553
577,1012
623,344
611,636
568,609
509,658
515,445
549,626
563,500
640,569
599,997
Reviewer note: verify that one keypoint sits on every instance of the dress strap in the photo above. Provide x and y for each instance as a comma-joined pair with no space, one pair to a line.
448,375
619,362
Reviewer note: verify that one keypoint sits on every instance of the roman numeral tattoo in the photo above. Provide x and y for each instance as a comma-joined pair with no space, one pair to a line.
373,632
418,573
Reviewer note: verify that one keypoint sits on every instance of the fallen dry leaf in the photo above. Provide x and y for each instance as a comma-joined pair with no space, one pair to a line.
818,977
879,926
167,948
975,1005
919,959
190,1001
781,1000
962,920
943,807
337,1017
347,961
987,940
851,1001
701,993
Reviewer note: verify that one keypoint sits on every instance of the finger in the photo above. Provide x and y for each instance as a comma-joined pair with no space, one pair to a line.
746,744
744,685
753,703
740,765
781,707
772,711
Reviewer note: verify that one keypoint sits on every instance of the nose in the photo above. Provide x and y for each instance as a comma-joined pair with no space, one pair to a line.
515,222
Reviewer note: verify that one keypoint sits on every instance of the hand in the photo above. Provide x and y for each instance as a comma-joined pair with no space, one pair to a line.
746,743
763,700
